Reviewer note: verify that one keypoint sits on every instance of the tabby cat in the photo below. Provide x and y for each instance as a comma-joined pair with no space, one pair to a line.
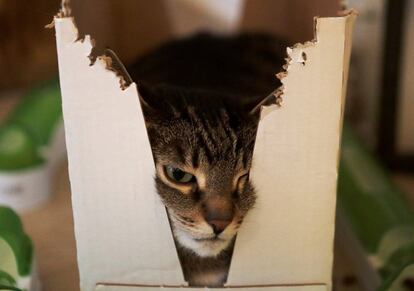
200,99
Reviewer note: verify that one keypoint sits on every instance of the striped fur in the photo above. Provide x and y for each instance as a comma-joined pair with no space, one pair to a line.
197,95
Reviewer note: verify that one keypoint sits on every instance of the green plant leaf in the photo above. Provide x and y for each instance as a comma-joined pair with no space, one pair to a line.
17,149
39,111
5,278
11,230
9,220
4,287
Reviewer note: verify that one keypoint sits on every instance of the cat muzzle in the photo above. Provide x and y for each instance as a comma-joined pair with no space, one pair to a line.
218,213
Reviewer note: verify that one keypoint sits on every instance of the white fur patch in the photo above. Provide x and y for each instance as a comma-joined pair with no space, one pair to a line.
198,242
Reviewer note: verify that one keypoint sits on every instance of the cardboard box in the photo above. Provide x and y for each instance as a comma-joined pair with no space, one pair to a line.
114,21
124,241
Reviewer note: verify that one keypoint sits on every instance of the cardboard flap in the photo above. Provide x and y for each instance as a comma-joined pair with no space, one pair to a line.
121,227
244,288
288,236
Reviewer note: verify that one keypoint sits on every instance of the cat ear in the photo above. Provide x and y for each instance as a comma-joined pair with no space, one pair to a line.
148,98
157,100
255,106
144,94
117,66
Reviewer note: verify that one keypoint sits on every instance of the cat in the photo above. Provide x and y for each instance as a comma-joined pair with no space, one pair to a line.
200,98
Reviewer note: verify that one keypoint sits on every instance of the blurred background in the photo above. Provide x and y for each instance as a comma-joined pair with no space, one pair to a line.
374,247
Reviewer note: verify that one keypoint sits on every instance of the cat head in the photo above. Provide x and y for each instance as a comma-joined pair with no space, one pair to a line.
202,146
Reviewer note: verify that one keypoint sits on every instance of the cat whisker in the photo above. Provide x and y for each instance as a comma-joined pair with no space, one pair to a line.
182,221
185,218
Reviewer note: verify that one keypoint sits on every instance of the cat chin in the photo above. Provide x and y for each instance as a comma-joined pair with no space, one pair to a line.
201,247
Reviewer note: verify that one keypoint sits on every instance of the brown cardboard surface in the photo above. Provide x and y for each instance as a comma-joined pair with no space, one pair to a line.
130,28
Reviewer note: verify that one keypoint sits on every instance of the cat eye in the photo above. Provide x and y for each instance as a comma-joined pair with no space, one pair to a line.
179,176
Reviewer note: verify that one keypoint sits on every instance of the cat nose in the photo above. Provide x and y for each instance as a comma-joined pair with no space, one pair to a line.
218,213
218,225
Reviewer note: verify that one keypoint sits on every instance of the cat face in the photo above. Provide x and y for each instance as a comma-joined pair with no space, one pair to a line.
202,149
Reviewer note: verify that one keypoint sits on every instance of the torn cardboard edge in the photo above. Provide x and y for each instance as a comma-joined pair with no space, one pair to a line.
306,218
113,63
276,97
333,38
106,56
272,102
